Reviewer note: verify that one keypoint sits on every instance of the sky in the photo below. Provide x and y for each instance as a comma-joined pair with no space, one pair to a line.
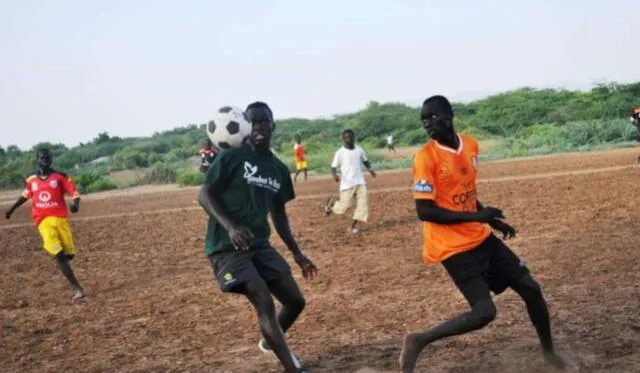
72,69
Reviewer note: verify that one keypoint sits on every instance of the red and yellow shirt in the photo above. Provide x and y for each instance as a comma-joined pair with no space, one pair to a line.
448,177
47,195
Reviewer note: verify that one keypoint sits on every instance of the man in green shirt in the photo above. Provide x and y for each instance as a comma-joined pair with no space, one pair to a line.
243,186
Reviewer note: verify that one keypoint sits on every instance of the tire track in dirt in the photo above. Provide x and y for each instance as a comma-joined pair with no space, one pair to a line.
371,191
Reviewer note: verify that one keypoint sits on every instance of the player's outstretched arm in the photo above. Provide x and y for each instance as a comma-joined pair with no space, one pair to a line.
428,210
240,236
281,223
15,206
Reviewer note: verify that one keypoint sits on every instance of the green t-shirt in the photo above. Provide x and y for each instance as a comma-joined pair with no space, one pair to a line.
246,186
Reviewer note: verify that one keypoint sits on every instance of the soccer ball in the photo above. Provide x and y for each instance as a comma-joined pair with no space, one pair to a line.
229,127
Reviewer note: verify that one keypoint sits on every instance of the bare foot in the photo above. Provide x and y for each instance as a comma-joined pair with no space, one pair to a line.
410,351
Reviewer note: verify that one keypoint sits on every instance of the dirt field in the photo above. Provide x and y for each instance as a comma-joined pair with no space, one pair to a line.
153,306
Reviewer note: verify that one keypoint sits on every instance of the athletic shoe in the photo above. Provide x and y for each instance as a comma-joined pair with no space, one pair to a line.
79,294
264,347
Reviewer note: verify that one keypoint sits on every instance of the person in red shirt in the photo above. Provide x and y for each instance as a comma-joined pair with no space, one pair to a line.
207,155
456,230
46,190
301,163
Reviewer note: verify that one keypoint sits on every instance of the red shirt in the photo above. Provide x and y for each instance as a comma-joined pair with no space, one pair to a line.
47,195
299,152
208,152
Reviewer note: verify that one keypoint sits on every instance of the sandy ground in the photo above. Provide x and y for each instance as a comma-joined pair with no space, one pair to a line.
154,307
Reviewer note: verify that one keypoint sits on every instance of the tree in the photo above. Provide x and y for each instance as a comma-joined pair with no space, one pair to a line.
13,151
102,138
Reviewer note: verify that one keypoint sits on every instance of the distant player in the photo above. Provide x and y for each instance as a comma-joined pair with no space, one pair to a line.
207,154
301,163
47,189
391,146
353,188
243,186
455,235
635,120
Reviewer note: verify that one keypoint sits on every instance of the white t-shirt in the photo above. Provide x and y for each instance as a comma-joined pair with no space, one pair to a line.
389,139
350,162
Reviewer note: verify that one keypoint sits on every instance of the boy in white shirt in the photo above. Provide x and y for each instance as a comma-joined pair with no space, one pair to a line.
391,147
353,190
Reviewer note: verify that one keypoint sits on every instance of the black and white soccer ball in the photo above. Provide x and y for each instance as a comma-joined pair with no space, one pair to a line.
229,127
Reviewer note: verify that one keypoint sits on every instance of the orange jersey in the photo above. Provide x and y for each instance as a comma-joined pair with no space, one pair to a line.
47,195
298,149
448,177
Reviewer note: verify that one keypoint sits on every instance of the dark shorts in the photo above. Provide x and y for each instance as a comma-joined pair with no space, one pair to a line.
234,268
491,266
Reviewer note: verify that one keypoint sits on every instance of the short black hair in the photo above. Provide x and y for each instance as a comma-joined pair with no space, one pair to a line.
44,151
348,130
260,105
438,101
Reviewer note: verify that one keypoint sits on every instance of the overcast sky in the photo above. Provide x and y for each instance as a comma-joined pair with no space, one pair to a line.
71,69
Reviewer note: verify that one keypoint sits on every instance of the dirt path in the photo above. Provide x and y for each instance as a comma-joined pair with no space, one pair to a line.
153,306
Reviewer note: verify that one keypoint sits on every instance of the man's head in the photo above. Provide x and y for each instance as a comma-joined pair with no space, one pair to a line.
44,158
437,117
298,139
208,144
262,125
348,138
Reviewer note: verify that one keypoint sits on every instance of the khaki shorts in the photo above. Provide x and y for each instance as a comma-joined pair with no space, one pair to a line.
357,195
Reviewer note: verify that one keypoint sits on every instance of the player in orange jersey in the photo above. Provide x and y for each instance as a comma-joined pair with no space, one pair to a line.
455,235
47,189
301,162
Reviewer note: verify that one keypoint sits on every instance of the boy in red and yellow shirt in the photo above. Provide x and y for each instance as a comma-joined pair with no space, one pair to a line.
456,235
301,163
46,190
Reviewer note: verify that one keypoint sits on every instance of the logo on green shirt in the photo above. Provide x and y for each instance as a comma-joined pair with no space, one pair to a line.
250,172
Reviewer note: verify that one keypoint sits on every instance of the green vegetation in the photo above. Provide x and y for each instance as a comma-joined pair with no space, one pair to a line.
526,121
190,178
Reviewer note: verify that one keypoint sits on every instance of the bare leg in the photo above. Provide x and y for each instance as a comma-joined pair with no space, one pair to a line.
260,296
63,263
481,314
529,290
286,290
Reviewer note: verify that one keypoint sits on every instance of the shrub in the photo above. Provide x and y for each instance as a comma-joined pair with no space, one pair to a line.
190,178
159,174
100,185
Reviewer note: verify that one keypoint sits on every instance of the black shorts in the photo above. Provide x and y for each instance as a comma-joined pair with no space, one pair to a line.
491,266
235,268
